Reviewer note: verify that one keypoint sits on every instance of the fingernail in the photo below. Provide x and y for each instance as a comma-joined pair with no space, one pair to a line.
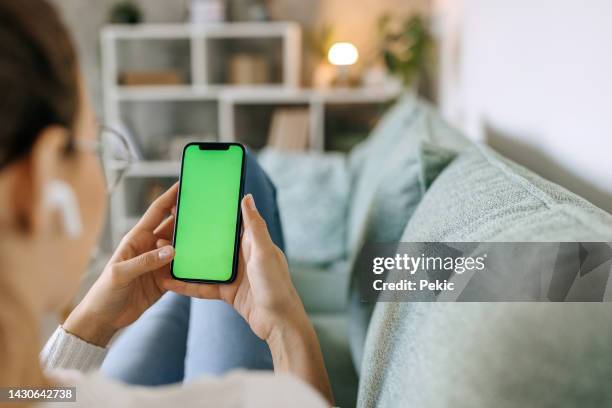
165,252
250,202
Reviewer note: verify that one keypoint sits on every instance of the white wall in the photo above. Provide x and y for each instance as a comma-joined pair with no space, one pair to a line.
534,80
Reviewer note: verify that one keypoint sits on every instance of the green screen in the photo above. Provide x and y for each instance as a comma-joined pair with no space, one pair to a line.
207,213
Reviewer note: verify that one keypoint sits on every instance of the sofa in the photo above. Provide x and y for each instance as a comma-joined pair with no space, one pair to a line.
417,179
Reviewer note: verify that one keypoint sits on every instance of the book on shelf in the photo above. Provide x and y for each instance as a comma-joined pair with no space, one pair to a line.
290,129
150,78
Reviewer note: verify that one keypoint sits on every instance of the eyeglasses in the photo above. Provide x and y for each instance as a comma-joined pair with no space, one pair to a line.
114,152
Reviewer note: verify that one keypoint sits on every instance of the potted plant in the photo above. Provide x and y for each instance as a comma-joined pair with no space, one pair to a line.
318,42
404,47
125,12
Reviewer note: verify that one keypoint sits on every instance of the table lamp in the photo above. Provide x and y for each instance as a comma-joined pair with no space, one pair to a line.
342,55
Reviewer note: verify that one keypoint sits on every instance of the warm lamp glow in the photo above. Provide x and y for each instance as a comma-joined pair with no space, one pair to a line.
343,53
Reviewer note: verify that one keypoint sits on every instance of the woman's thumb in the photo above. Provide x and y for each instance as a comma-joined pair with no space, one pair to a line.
254,224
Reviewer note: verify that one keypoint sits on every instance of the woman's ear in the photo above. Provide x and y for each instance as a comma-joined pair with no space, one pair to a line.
34,173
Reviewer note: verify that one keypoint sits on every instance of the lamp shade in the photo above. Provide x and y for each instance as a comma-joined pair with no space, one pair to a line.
343,53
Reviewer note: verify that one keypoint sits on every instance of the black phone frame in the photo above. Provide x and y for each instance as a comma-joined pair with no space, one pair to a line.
213,146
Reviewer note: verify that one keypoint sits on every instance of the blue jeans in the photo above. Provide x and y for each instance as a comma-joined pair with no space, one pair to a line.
180,338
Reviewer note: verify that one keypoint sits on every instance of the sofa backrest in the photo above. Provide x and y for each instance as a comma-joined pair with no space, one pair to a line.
483,196
492,354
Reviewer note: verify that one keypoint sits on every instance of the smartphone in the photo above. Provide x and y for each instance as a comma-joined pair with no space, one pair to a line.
208,221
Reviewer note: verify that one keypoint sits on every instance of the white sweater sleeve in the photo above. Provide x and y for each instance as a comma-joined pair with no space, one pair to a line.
67,351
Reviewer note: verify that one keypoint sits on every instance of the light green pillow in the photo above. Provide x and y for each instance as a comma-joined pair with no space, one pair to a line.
366,161
312,191
408,174
418,157
401,158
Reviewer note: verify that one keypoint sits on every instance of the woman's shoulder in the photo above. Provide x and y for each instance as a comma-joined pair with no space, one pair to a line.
237,389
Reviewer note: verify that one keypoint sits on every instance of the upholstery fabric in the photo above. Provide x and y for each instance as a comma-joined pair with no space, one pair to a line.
492,354
482,196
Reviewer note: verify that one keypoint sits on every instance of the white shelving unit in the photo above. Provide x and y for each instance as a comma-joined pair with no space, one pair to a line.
226,97
201,87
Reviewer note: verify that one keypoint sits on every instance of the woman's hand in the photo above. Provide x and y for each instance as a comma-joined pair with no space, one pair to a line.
132,280
262,292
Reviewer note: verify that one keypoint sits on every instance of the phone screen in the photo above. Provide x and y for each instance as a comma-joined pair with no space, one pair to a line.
207,226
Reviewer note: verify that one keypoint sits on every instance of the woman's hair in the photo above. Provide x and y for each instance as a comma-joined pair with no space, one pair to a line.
38,75
38,88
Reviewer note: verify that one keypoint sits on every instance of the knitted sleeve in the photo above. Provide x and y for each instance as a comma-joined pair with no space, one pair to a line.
66,351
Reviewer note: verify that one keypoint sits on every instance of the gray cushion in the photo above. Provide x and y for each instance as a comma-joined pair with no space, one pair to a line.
424,147
500,354
366,162
312,194
391,170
